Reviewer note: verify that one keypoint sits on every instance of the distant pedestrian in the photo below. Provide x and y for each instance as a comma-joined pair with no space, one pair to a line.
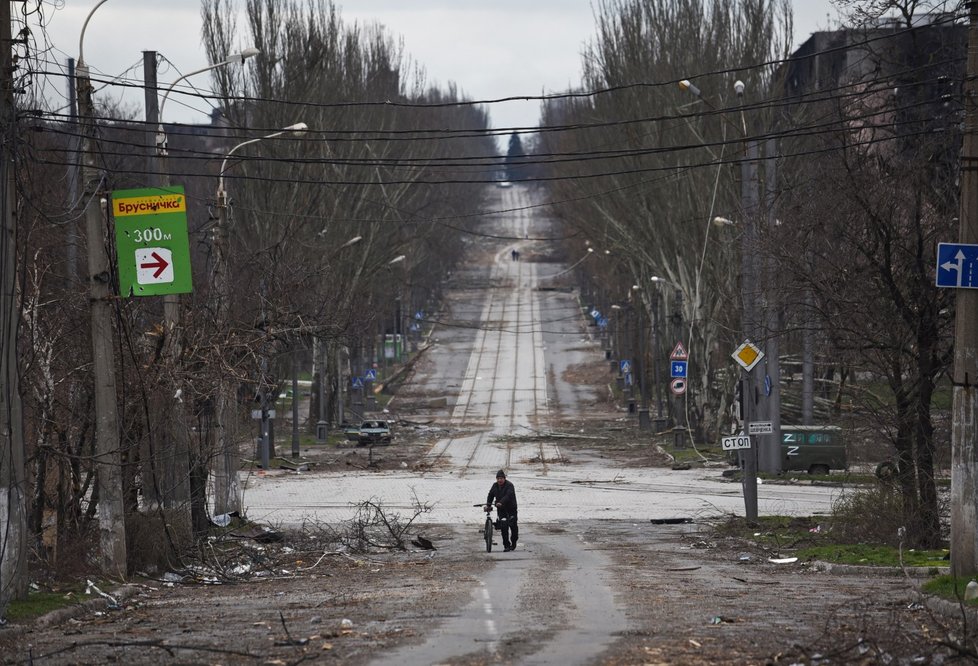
503,496
514,255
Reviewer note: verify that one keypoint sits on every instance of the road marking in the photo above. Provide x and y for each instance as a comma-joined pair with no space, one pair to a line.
491,629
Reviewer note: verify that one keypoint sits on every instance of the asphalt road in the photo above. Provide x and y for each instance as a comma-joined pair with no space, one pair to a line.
500,364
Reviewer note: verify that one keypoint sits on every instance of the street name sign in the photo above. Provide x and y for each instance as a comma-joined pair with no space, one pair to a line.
151,241
957,265
760,428
748,355
735,443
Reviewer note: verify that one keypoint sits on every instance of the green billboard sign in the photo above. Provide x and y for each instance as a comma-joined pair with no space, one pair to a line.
151,241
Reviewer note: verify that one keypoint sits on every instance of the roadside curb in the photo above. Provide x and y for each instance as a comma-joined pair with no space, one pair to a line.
950,609
61,615
881,572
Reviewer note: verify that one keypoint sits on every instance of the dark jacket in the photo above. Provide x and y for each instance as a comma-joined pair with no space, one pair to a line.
506,495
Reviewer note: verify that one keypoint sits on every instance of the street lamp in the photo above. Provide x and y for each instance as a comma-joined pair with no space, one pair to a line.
769,457
227,495
296,128
160,133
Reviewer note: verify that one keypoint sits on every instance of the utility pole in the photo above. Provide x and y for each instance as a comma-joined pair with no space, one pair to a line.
13,489
748,282
964,451
151,462
770,455
71,269
227,487
108,459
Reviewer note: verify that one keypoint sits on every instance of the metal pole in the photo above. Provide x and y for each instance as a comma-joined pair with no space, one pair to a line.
748,280
295,403
770,454
111,511
643,412
964,451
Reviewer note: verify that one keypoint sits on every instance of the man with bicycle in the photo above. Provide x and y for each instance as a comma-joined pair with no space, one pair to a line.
503,496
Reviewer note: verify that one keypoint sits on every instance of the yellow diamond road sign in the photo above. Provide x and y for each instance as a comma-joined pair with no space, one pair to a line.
748,355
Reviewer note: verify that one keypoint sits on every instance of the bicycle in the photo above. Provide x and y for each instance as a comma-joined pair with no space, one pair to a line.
490,526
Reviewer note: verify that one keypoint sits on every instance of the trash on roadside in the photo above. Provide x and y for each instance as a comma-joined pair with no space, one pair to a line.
744,557
783,560
113,604
222,520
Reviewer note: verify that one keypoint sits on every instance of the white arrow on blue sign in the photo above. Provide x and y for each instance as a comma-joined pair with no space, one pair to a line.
679,368
957,265
626,366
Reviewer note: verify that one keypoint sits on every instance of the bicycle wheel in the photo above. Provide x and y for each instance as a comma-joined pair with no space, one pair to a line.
488,534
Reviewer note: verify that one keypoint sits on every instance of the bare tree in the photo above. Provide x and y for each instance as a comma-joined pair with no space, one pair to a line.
645,166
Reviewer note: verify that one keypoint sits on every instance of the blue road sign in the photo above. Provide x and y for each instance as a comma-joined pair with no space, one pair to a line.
679,368
626,366
357,382
603,322
370,374
957,265
628,379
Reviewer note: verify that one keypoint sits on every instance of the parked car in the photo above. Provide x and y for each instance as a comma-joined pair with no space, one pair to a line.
375,431
812,449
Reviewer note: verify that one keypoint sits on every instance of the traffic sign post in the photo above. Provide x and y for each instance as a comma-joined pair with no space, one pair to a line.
151,241
678,368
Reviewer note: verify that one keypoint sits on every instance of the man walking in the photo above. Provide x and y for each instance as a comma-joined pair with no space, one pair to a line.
503,496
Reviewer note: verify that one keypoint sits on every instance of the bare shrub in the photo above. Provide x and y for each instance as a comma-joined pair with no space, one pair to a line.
869,515
374,526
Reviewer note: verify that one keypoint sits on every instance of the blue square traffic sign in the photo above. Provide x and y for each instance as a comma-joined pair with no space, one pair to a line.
957,265
679,368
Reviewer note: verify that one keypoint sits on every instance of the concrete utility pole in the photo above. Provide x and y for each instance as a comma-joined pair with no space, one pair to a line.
964,450
13,490
151,462
108,458
227,488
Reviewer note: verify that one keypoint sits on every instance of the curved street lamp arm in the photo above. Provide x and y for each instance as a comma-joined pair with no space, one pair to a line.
81,38
298,127
160,134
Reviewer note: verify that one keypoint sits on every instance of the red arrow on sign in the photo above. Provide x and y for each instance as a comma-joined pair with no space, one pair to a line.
160,265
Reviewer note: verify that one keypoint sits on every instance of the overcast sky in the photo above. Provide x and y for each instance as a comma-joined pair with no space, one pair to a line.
489,48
